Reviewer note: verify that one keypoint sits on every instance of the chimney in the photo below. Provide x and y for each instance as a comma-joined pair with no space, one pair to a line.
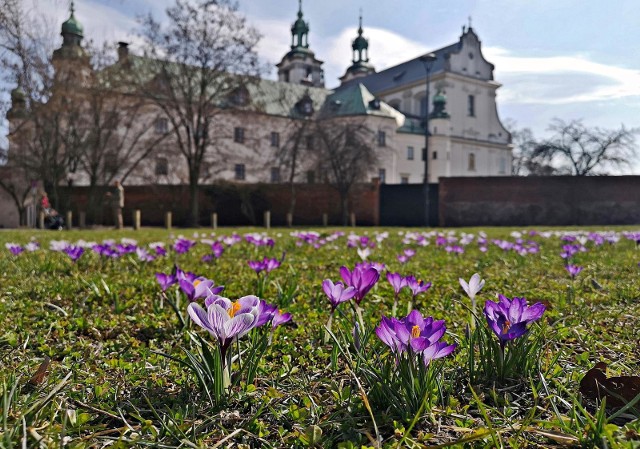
123,51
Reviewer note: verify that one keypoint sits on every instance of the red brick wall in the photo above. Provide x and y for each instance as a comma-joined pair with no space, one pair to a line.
235,204
555,200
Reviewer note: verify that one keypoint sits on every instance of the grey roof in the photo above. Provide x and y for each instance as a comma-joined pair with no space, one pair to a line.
405,73
357,100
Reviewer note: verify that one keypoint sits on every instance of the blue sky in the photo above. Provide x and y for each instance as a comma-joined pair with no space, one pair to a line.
572,59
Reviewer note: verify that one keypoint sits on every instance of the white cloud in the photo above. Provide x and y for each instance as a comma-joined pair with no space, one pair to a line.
573,74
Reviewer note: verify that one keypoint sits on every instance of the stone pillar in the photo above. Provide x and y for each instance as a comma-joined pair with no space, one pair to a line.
352,219
69,220
168,218
325,220
136,219
267,219
214,220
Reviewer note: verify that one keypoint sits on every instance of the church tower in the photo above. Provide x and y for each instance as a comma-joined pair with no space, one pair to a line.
361,66
71,62
299,65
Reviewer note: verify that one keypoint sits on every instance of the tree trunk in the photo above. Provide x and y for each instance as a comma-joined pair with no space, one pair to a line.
344,205
194,201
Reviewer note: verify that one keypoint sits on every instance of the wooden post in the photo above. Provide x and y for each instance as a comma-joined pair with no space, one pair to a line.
167,220
267,219
289,219
41,220
82,219
136,219
214,220
69,221
325,220
352,217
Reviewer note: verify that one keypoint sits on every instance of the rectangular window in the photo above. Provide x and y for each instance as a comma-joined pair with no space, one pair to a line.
275,139
471,106
275,174
503,166
404,180
409,153
162,126
162,166
239,172
382,138
311,177
382,175
238,135
434,155
424,154
472,162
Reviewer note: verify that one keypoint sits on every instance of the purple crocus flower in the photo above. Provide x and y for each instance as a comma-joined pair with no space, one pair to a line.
14,248
218,249
256,265
397,281
182,246
573,270
226,320
362,280
270,264
74,252
417,286
509,318
165,280
416,333
199,288
402,258
337,292
207,258
279,318
266,312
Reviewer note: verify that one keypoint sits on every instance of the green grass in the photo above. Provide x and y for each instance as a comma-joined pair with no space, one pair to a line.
103,325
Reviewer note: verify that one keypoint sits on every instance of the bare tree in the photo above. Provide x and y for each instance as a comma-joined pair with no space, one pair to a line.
524,161
198,65
580,150
347,155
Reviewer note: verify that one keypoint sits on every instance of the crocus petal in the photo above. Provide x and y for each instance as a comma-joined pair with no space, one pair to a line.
533,312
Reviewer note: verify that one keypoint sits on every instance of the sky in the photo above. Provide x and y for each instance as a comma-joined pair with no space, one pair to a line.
571,59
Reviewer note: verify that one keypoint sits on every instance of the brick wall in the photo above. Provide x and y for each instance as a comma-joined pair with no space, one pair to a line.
236,204
556,200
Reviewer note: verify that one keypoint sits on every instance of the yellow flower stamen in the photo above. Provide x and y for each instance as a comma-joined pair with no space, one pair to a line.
415,331
196,282
235,306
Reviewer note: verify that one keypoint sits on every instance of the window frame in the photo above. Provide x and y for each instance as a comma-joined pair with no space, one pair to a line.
238,134
240,172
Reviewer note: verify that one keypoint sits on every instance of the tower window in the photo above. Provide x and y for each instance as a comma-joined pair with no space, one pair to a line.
382,175
434,155
275,174
311,177
471,106
286,76
410,153
404,180
275,139
382,138
472,162
161,126
162,166
238,135
239,172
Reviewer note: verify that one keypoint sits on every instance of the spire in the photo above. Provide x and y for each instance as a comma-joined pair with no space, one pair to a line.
360,63
360,45
300,31
72,30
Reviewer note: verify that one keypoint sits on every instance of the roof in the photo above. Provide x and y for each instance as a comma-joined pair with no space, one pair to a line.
268,96
357,100
410,71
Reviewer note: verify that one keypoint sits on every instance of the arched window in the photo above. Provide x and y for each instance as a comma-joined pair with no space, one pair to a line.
472,162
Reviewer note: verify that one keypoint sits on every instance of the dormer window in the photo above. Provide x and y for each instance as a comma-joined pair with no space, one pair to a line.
374,104
305,106
240,96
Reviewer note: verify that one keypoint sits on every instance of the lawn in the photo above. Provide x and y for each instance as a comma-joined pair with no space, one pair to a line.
94,353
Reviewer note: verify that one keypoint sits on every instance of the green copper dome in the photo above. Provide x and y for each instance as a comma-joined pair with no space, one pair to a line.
17,94
72,26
